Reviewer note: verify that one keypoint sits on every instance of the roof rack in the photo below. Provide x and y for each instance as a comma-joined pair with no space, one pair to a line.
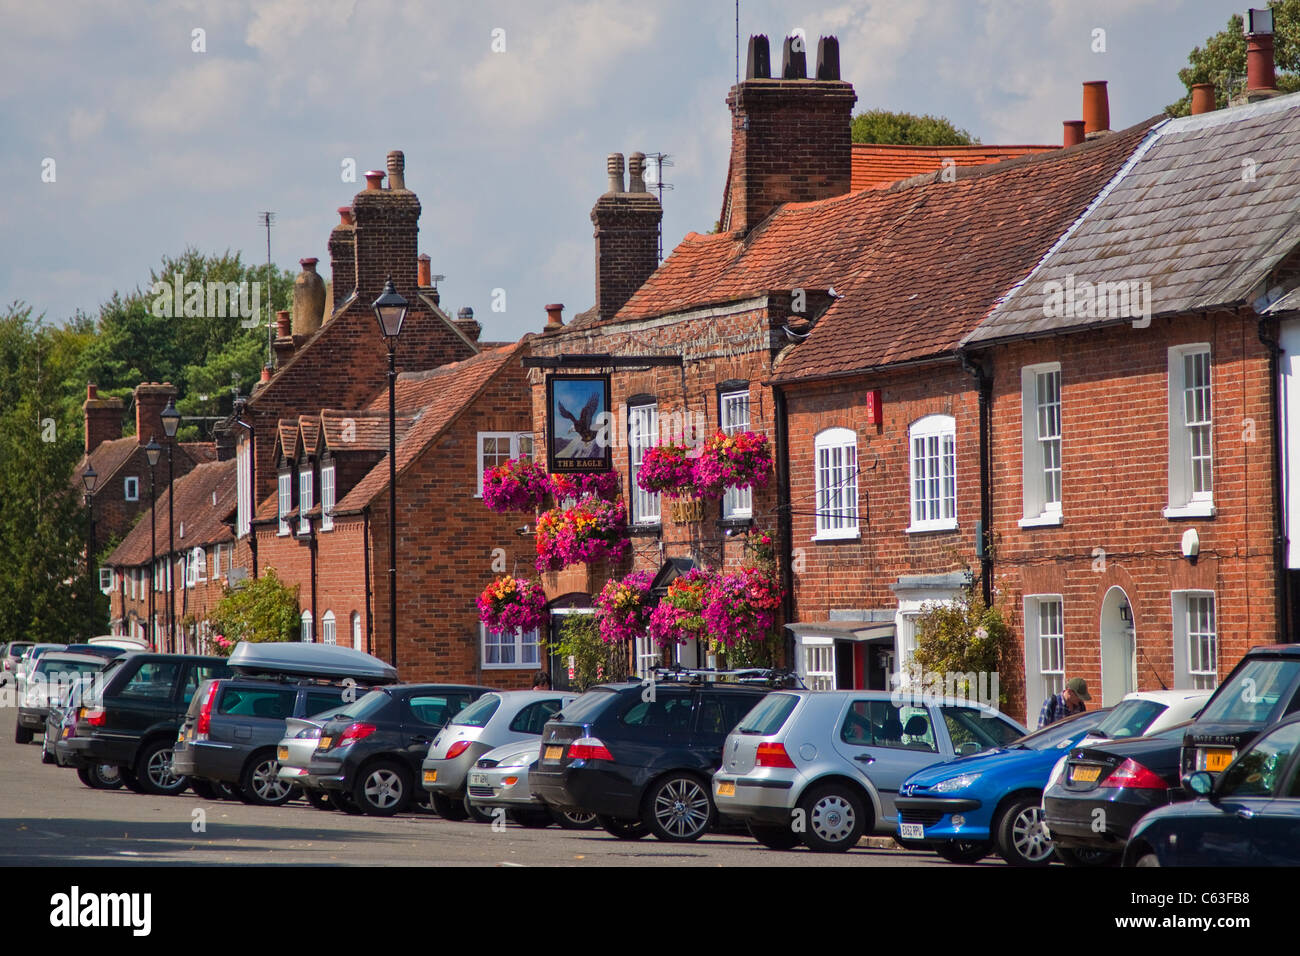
769,676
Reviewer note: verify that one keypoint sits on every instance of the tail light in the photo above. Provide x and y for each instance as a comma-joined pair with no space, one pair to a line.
456,749
1134,776
205,713
355,732
95,716
773,755
589,748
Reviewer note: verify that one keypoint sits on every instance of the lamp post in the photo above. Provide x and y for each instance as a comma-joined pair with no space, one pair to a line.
152,452
88,481
171,419
390,309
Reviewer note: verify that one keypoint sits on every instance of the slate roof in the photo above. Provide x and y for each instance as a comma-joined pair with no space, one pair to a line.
876,165
201,519
1184,216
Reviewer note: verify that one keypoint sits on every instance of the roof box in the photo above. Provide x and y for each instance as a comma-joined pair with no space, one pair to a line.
323,661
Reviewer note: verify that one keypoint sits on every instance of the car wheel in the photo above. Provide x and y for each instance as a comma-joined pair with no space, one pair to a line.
1148,859
22,735
960,851
476,814
83,774
318,799
261,784
383,789
532,819
1022,839
448,808
131,781
623,829
574,819
153,771
204,789
106,776
833,817
678,809
343,801
1093,858
774,838
46,756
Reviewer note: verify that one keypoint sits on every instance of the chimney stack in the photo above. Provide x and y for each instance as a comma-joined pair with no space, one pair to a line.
284,344
386,232
150,400
790,137
1202,98
1074,133
103,417
424,271
554,318
1096,109
627,236
343,257
223,436
1261,81
466,323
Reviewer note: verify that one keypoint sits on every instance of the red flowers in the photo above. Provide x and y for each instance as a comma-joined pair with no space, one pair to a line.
590,530
508,603
520,484
742,460
624,607
668,470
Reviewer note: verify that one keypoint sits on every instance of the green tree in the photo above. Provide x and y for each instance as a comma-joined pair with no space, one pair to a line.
259,610
963,637
907,129
1222,61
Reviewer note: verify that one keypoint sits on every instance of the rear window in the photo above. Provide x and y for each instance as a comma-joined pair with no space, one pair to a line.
587,707
532,719
670,712
768,715
478,713
153,680
436,709
270,702
1255,694
1130,718
372,705
1060,733
55,668
319,701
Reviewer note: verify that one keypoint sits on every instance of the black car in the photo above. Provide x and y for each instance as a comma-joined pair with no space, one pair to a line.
370,751
131,722
1249,816
1106,788
1263,688
641,755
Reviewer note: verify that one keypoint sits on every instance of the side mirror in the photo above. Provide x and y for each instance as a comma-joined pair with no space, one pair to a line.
1199,783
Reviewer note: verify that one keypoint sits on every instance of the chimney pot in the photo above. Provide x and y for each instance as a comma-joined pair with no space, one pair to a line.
1260,74
614,166
373,179
554,320
1202,98
794,59
1096,108
1074,132
758,61
828,58
266,373
464,314
283,324
92,391
345,216
425,276
636,173
396,169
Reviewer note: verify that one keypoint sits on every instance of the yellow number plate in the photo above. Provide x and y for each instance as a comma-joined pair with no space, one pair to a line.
553,753
431,776
1085,774
324,743
726,789
282,753
1217,761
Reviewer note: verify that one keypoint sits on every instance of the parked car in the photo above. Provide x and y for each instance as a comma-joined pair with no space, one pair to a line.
368,754
12,654
500,717
835,760
1248,816
499,780
641,755
1262,689
228,740
132,721
49,677
61,723
130,645
965,808
28,661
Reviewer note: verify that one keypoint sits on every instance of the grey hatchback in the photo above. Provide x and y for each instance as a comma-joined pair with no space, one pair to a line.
824,767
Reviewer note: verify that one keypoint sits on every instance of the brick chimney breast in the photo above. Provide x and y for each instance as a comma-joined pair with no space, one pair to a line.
103,417
150,400
343,257
386,236
626,234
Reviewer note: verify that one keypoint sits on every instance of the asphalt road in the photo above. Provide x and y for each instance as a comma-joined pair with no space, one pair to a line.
48,818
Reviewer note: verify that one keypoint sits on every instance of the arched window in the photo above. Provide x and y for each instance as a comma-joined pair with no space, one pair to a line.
328,634
357,641
933,452
308,635
837,483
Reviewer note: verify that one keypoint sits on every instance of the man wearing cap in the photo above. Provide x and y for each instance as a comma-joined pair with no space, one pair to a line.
1065,704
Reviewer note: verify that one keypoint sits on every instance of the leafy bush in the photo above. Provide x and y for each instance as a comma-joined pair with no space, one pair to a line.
594,661
907,129
261,610
962,637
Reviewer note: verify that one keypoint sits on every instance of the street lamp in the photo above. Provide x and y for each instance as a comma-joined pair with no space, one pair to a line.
390,310
171,419
88,481
152,452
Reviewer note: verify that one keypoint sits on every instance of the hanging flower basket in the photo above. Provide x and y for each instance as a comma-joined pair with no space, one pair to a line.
519,484
589,531
741,607
602,484
508,603
667,470
678,618
742,460
624,607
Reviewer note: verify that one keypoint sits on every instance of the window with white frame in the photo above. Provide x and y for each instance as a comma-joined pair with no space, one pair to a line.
285,499
1044,651
496,448
1040,388
642,433
307,635
328,633
358,642
1191,459
1196,640
837,483
517,648
131,488
196,570
243,488
733,415
933,442
327,496
304,499
817,660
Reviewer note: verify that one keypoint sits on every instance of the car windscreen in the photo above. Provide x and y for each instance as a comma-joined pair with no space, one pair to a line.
1056,735
1254,694
54,670
478,713
1130,718
768,715
586,707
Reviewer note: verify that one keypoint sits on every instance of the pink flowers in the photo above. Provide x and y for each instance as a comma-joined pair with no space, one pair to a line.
742,460
520,484
589,531
678,618
741,607
624,607
508,603
667,469
602,484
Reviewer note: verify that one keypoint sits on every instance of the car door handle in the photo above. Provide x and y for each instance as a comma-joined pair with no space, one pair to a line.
865,758
1245,813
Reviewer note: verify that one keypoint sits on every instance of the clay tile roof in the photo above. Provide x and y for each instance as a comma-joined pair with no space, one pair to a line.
107,458
876,165
436,398
197,516
200,451
359,430
288,432
1182,229
309,428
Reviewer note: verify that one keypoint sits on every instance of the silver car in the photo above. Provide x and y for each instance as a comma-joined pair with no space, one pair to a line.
499,779
294,755
823,768
501,717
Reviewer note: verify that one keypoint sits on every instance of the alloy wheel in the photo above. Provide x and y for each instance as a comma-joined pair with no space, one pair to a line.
1029,836
383,788
681,809
267,784
159,771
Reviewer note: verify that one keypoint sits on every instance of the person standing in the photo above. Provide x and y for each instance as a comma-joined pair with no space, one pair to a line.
1073,700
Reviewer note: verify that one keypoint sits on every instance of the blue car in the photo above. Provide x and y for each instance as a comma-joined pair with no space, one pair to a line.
965,808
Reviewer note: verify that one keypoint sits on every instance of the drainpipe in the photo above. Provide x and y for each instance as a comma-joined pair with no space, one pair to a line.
365,563
984,382
1268,336
784,523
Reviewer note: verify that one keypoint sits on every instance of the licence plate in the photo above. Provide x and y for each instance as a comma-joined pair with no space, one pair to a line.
324,743
726,789
553,753
1217,761
431,776
1084,774
478,779
282,754
911,831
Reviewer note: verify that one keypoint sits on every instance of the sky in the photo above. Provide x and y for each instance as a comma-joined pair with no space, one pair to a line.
158,145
